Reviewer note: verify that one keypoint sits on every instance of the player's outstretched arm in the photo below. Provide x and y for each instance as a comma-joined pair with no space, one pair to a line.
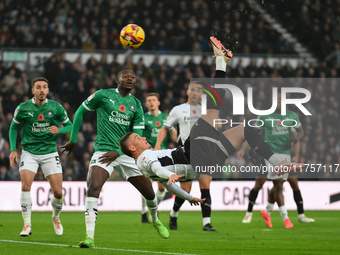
178,191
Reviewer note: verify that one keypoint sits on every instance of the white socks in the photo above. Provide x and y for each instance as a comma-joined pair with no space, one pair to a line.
283,212
57,205
144,207
152,205
221,65
269,208
206,220
26,207
174,214
91,211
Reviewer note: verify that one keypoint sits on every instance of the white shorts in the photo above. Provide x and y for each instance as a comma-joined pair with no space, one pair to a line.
271,175
125,165
49,163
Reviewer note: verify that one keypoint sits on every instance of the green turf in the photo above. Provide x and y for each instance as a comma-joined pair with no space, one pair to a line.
123,230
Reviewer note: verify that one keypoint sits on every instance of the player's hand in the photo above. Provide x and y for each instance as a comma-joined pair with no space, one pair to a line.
290,144
13,158
175,177
157,147
67,147
54,130
240,154
196,201
108,157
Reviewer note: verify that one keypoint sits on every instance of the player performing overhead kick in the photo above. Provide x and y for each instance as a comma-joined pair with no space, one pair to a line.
165,166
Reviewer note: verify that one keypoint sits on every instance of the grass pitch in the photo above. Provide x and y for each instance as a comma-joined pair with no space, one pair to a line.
123,233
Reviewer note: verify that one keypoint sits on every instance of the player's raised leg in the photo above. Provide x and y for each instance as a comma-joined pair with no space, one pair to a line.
55,181
27,178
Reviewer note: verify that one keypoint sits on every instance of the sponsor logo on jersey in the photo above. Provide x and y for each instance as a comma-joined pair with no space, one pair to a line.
41,117
120,118
21,163
113,102
155,132
122,108
30,114
15,113
150,122
93,161
41,127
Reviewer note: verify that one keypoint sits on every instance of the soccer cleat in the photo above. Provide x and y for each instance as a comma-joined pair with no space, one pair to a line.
288,223
220,50
88,243
305,219
266,218
208,227
173,223
26,231
58,228
247,218
162,231
145,218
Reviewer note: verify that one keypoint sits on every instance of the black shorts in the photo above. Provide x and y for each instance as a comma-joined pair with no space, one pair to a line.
207,146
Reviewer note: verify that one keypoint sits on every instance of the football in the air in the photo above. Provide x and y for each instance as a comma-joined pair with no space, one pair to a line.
132,36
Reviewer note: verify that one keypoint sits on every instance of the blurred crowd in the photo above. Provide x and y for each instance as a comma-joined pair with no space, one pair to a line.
170,25
72,83
316,24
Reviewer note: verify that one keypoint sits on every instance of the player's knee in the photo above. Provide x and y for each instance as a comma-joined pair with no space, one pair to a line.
25,186
93,190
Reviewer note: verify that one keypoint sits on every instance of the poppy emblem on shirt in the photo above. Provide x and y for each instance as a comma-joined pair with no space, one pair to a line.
279,122
194,111
122,108
41,117
158,123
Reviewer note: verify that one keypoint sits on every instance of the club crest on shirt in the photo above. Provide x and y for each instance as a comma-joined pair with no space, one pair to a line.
50,114
132,108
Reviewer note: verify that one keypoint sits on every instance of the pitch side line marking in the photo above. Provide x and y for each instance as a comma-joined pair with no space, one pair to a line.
95,248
